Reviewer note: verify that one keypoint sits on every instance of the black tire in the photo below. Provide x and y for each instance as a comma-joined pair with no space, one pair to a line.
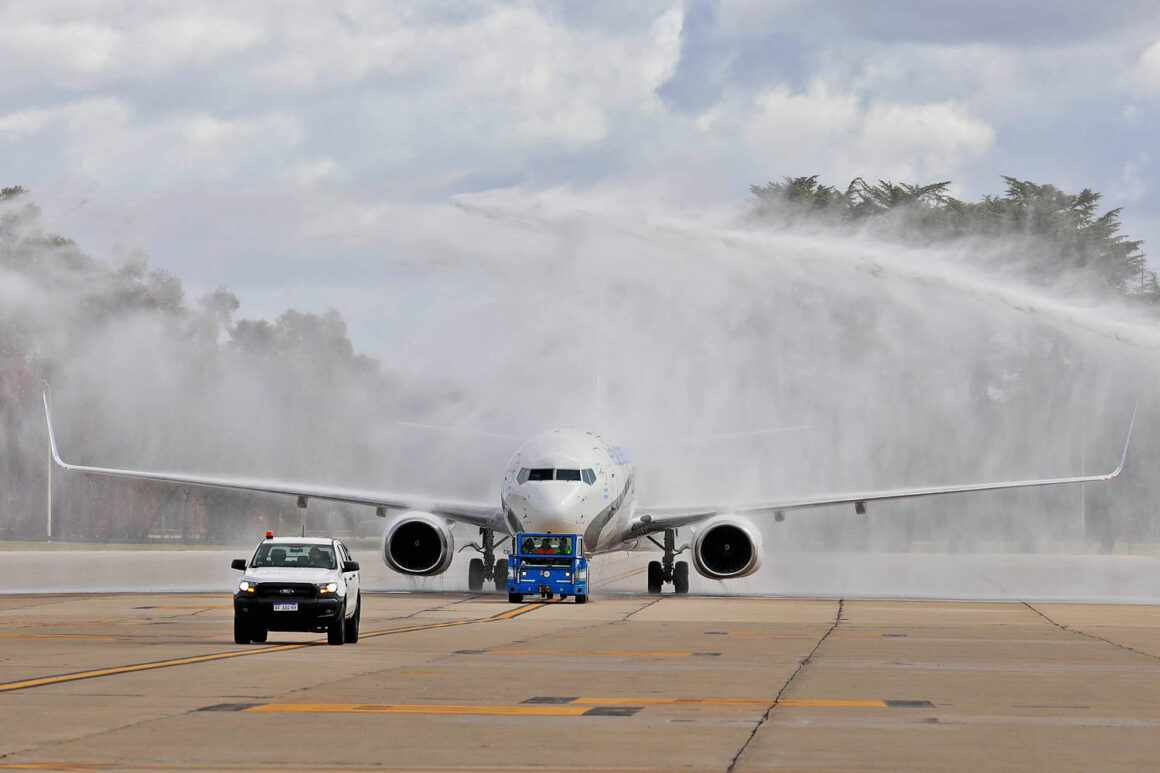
515,598
581,598
336,632
656,576
501,575
258,634
241,631
681,577
351,633
475,575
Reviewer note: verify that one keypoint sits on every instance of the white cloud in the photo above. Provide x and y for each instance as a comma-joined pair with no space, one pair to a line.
76,117
511,70
1146,74
104,139
923,139
54,44
837,134
1134,184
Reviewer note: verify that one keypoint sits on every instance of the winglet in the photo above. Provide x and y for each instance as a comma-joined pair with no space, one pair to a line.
1127,443
51,433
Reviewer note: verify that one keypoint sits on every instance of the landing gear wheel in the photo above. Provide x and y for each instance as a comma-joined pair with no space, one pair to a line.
475,575
581,598
515,598
241,631
351,626
681,577
656,576
501,575
336,632
258,634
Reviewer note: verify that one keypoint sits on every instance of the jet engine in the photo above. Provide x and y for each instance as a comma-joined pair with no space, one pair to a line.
726,548
418,543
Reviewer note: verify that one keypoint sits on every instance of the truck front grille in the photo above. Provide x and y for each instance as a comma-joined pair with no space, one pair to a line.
286,590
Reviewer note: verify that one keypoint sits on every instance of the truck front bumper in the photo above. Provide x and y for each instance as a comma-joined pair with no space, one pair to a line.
559,588
311,614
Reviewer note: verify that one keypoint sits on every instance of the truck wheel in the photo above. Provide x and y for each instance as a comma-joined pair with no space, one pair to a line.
581,598
336,631
515,598
258,634
501,575
656,576
475,575
681,577
241,631
351,632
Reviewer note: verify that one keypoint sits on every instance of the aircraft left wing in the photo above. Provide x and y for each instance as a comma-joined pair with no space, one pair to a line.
653,519
474,513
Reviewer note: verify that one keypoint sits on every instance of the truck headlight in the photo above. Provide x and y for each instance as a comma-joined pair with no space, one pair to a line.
330,587
246,587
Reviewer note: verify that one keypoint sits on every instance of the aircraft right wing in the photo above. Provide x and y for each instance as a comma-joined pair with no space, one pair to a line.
654,519
474,513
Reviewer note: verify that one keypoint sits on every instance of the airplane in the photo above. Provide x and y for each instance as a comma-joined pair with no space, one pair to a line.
569,481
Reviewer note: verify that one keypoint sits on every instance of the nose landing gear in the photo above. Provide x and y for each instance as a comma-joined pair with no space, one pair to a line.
482,570
668,569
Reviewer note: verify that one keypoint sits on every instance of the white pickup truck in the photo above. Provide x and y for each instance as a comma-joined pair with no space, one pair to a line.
297,584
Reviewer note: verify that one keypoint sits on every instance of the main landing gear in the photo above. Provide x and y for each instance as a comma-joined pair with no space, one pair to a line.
667,569
486,569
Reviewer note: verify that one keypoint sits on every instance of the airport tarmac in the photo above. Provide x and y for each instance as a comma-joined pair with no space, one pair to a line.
455,682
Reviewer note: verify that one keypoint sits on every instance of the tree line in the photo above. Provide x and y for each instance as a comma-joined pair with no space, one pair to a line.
117,331
1047,233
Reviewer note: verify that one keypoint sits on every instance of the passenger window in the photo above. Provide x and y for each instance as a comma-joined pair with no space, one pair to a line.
568,475
541,474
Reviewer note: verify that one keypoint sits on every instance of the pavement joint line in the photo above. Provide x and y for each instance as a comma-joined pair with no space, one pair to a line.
637,611
778,698
590,654
541,708
518,710
341,768
803,703
1096,637
78,636
567,706
77,676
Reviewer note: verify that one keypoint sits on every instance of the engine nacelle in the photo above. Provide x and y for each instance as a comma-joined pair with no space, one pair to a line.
726,548
418,543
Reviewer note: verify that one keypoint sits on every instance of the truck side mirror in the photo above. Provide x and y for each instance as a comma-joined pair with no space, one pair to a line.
239,564
350,566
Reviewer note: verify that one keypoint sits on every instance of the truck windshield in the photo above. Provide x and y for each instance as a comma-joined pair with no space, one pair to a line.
290,555
546,546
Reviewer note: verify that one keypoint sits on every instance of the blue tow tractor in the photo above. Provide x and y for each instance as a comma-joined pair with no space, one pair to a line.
547,565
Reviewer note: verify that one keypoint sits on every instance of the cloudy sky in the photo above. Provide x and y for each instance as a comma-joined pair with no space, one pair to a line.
301,153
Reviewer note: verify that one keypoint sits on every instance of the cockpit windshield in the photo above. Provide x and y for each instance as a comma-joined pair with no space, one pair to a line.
587,475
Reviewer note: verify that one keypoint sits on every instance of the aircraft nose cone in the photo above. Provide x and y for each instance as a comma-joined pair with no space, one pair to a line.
552,507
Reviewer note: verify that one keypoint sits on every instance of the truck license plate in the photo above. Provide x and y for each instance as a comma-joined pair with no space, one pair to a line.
286,606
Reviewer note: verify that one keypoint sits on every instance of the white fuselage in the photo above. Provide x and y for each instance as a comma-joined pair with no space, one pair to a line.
570,482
